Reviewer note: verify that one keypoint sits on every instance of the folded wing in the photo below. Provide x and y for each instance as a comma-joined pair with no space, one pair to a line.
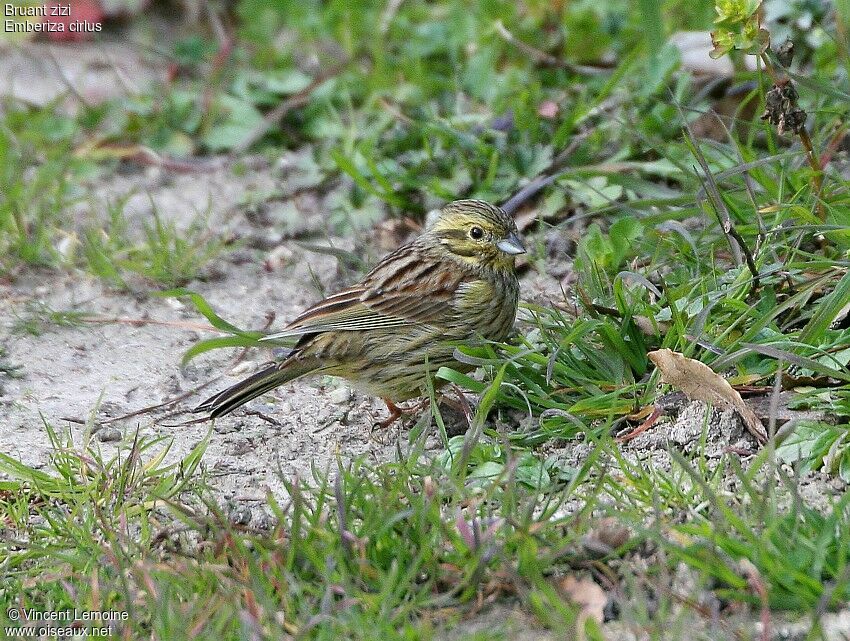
402,289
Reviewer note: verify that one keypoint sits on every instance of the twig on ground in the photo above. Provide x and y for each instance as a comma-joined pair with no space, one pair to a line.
541,57
834,143
151,408
67,81
540,182
292,102
140,322
640,429
145,156
264,417
757,585
464,404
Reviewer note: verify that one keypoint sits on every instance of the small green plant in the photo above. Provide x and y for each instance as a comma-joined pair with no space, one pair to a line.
35,187
609,251
38,316
739,28
794,559
7,367
164,255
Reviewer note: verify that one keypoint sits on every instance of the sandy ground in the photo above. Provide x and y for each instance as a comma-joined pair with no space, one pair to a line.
124,367
115,368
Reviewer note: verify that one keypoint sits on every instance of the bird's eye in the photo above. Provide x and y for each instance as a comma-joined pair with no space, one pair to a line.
476,233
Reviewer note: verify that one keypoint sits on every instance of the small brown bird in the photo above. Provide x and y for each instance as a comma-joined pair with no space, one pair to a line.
454,284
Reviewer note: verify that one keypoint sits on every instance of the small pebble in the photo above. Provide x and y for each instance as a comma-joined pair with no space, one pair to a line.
266,521
227,426
109,435
340,395
243,368
240,515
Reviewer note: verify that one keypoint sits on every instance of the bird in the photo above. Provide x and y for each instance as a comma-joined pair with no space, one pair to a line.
454,284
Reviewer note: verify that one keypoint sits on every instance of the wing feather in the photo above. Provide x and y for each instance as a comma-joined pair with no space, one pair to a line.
402,289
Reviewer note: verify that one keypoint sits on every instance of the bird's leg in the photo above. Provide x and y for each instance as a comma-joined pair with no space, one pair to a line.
397,412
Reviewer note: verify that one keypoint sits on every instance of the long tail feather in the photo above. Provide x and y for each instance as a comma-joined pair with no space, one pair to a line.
255,385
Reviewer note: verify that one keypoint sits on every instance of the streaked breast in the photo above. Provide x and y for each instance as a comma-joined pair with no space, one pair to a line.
488,306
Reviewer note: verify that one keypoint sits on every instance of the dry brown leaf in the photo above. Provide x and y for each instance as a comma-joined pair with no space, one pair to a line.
650,327
588,596
605,537
699,382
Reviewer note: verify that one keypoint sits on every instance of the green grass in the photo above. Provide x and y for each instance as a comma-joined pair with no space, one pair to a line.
360,551
42,178
163,256
31,205
453,100
398,550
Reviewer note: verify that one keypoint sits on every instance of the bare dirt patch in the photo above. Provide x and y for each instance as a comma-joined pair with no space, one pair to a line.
120,367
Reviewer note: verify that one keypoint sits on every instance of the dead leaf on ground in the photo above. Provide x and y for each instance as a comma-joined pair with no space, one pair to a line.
605,537
700,383
392,232
588,596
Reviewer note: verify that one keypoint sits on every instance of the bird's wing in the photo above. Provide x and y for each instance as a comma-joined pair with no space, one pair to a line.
402,289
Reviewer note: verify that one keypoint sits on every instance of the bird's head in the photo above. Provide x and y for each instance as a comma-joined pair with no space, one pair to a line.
478,233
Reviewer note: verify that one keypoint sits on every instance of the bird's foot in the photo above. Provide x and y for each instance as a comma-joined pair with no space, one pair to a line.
397,412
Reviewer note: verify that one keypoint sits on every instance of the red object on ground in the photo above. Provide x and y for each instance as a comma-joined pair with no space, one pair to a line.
73,20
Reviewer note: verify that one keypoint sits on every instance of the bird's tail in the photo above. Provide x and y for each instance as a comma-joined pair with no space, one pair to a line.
255,385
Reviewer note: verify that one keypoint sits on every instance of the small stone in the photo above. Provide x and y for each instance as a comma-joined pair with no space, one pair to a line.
266,521
605,537
340,395
240,447
173,303
687,429
730,426
109,435
227,426
111,408
548,109
243,368
240,515
278,258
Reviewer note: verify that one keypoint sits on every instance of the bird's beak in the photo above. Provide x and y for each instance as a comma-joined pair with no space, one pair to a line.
511,245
